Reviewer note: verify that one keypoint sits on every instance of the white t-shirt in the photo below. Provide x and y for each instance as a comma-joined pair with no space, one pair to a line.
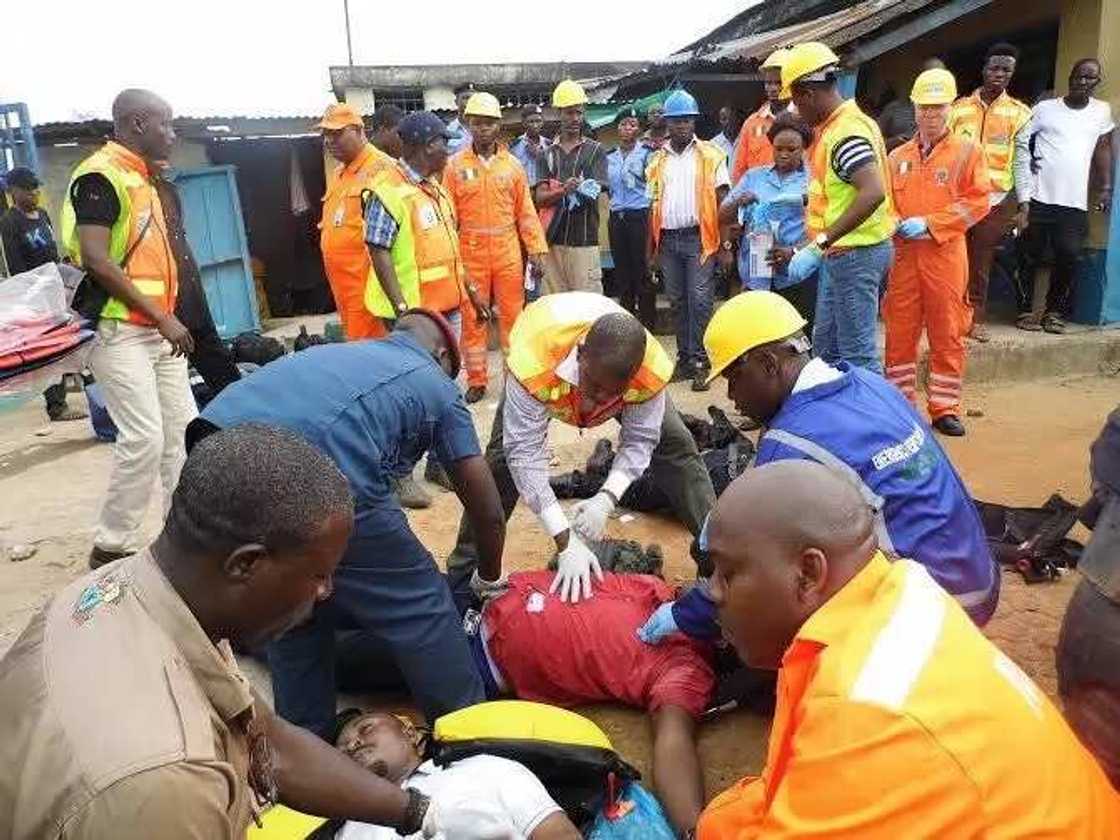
509,801
1064,141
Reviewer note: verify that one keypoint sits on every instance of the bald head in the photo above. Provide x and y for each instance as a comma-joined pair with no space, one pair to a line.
142,122
433,335
784,538
617,343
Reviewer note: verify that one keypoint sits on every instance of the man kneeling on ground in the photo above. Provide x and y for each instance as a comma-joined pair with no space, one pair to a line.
390,746
533,645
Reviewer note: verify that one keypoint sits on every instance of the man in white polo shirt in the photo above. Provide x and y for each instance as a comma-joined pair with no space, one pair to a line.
1071,135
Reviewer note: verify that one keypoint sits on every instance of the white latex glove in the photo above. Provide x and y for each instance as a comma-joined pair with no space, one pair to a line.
466,811
573,576
589,518
484,589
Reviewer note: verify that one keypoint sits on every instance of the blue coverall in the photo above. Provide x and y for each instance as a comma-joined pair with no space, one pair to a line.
375,407
861,425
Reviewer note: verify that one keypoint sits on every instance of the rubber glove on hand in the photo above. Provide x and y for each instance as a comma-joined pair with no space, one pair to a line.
913,228
659,625
590,516
573,575
484,589
804,262
589,188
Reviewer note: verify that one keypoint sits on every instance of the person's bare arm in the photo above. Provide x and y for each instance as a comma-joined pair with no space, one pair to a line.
1102,166
870,194
677,778
549,192
474,485
93,244
387,276
315,778
556,827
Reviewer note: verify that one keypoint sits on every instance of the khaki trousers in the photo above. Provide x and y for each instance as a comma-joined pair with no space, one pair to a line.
572,269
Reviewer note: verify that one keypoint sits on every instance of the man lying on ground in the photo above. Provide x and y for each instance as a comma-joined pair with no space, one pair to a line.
531,644
895,716
390,746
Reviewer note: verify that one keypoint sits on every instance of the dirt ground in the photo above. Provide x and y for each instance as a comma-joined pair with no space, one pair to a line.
1031,441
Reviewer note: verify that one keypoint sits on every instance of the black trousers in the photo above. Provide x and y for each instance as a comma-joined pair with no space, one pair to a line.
803,296
1060,232
629,238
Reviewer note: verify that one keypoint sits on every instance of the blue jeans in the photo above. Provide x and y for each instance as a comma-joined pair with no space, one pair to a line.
388,586
689,285
848,292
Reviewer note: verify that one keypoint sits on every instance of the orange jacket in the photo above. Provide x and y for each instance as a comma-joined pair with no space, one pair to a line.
709,159
896,718
342,229
994,128
949,188
753,148
493,203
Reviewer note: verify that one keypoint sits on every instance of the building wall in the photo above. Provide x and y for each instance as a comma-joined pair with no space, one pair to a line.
57,162
439,98
362,99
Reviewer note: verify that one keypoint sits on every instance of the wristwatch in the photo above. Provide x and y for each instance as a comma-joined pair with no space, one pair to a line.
727,245
402,307
821,241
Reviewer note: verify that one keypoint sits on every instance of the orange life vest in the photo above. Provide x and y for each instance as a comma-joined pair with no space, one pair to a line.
993,128
709,158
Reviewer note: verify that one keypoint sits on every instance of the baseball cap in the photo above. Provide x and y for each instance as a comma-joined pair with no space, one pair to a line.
422,127
466,87
340,115
530,110
23,178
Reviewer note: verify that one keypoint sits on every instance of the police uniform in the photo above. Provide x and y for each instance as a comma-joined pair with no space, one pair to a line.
119,718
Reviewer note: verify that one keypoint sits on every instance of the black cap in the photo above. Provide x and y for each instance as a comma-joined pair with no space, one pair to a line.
466,87
530,110
422,127
23,178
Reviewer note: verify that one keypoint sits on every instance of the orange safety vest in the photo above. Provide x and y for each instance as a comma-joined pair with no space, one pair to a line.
545,334
426,251
897,718
494,206
151,264
949,188
709,159
829,196
994,128
342,233
754,147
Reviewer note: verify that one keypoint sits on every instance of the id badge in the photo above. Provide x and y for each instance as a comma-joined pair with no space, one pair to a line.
338,216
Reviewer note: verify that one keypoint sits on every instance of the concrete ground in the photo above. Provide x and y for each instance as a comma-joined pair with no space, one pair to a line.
1030,440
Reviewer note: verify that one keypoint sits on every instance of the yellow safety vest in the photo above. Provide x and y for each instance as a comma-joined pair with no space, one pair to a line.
151,264
993,128
545,334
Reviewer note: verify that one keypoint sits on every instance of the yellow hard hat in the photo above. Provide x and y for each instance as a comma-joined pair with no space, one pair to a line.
567,94
483,105
776,59
748,320
808,61
934,87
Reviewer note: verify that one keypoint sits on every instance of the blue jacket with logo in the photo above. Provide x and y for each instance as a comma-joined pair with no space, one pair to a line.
862,426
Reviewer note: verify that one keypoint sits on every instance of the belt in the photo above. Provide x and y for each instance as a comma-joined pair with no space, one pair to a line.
624,210
680,231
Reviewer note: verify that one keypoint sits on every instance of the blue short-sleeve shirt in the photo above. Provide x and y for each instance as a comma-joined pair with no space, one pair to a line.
767,183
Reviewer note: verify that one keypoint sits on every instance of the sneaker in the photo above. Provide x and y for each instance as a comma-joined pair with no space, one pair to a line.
98,557
681,371
979,333
67,413
437,475
475,393
700,380
410,494
949,425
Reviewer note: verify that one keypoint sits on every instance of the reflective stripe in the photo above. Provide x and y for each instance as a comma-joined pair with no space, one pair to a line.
905,643
488,231
821,455
437,272
149,287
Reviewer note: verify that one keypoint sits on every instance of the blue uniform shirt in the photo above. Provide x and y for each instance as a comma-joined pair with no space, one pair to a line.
375,407
767,183
519,148
862,426
626,174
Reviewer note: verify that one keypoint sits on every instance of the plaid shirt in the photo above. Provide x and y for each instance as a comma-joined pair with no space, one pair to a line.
381,227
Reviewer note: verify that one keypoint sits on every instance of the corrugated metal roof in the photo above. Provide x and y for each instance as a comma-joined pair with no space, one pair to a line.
835,30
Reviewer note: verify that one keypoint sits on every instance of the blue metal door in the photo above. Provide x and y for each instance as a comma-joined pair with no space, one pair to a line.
216,232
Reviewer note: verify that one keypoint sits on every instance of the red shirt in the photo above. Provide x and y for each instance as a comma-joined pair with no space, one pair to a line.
571,654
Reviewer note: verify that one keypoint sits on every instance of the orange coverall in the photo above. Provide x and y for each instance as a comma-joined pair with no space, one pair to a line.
928,285
343,243
897,719
496,216
753,148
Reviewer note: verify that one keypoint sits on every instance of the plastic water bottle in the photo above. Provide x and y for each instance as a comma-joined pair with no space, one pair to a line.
761,241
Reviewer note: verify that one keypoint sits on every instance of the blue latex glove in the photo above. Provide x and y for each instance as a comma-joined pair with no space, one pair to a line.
659,625
805,261
589,188
913,228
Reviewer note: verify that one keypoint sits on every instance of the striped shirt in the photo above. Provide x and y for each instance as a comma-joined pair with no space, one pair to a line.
850,155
